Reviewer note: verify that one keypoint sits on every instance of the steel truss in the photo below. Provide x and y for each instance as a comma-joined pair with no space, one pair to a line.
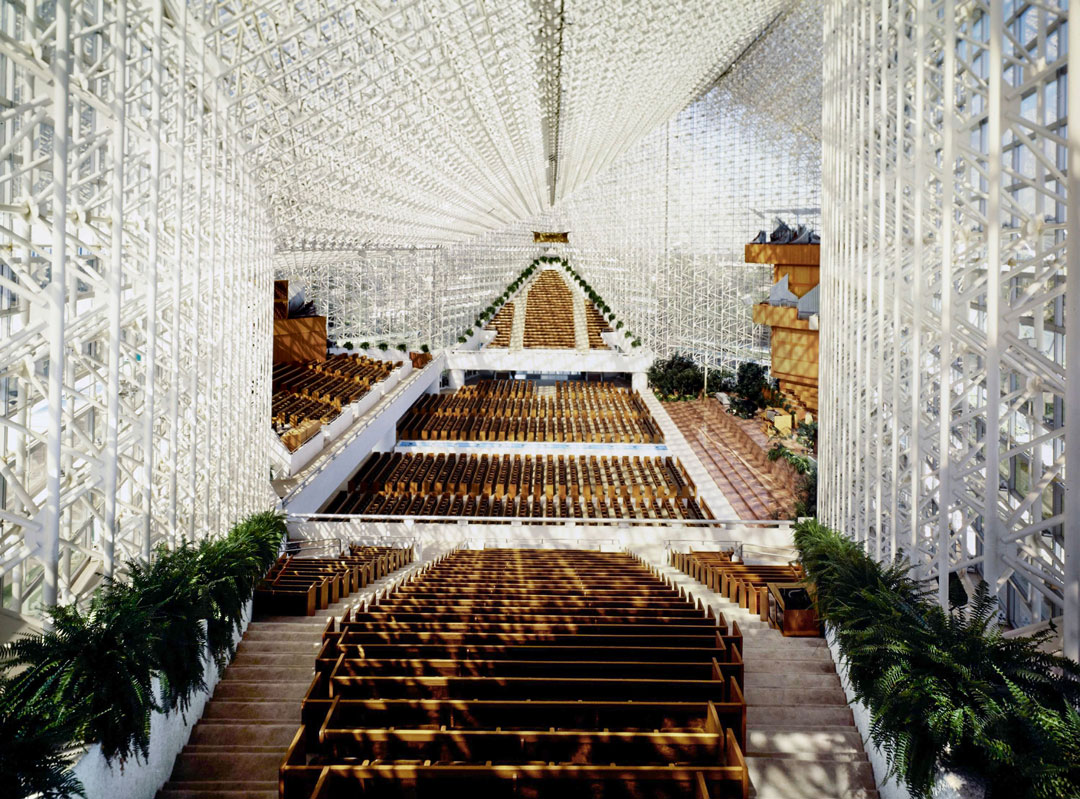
944,304
135,265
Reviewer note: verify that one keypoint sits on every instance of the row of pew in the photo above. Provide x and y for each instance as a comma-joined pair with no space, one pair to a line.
525,673
580,508
600,413
299,585
309,394
596,324
549,313
503,324
776,592
524,475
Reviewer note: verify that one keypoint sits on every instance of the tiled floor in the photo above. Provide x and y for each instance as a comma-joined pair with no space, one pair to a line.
740,471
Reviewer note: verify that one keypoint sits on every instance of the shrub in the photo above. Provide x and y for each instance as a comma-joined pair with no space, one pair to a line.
676,377
461,339
425,348
944,687
619,325
750,383
348,345
365,345
383,346
636,343
469,332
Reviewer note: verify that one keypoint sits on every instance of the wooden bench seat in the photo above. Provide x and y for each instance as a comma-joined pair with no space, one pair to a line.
549,669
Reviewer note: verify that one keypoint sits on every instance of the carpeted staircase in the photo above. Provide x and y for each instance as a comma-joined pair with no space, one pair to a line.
801,736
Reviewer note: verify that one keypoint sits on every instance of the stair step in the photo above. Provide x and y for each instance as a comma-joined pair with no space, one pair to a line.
200,789
232,766
781,652
309,647
278,659
264,690
784,778
756,663
836,715
826,741
255,634
795,698
244,733
264,711
271,672
765,679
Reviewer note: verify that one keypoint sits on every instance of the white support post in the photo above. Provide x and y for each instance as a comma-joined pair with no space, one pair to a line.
1071,526
61,71
116,285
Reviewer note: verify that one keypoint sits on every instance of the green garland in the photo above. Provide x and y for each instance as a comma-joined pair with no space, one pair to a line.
89,678
489,312
944,688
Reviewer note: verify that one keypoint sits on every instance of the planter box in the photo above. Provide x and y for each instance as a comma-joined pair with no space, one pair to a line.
138,779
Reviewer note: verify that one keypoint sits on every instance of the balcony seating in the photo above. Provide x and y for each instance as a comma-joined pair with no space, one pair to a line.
420,359
394,484
549,313
596,325
510,673
298,586
309,394
511,410
503,324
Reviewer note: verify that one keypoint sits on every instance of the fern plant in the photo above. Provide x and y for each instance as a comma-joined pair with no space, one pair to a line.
97,663
945,688
171,589
37,733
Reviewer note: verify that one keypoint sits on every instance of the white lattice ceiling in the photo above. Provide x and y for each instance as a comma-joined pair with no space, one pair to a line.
432,120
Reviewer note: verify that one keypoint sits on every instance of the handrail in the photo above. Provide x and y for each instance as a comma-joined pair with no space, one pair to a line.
313,469
537,520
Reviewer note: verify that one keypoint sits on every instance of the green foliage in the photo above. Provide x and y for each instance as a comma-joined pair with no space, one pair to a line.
619,325
945,689
806,488
348,345
36,734
806,433
676,377
365,345
98,661
749,390
636,343
461,339
425,348
402,347
468,332
89,677
383,346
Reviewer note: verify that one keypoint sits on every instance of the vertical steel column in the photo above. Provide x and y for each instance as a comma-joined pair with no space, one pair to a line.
61,71
152,266
177,277
944,532
1071,620
995,76
115,283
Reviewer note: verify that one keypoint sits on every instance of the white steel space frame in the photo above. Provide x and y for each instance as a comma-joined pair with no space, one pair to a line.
135,277
950,299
